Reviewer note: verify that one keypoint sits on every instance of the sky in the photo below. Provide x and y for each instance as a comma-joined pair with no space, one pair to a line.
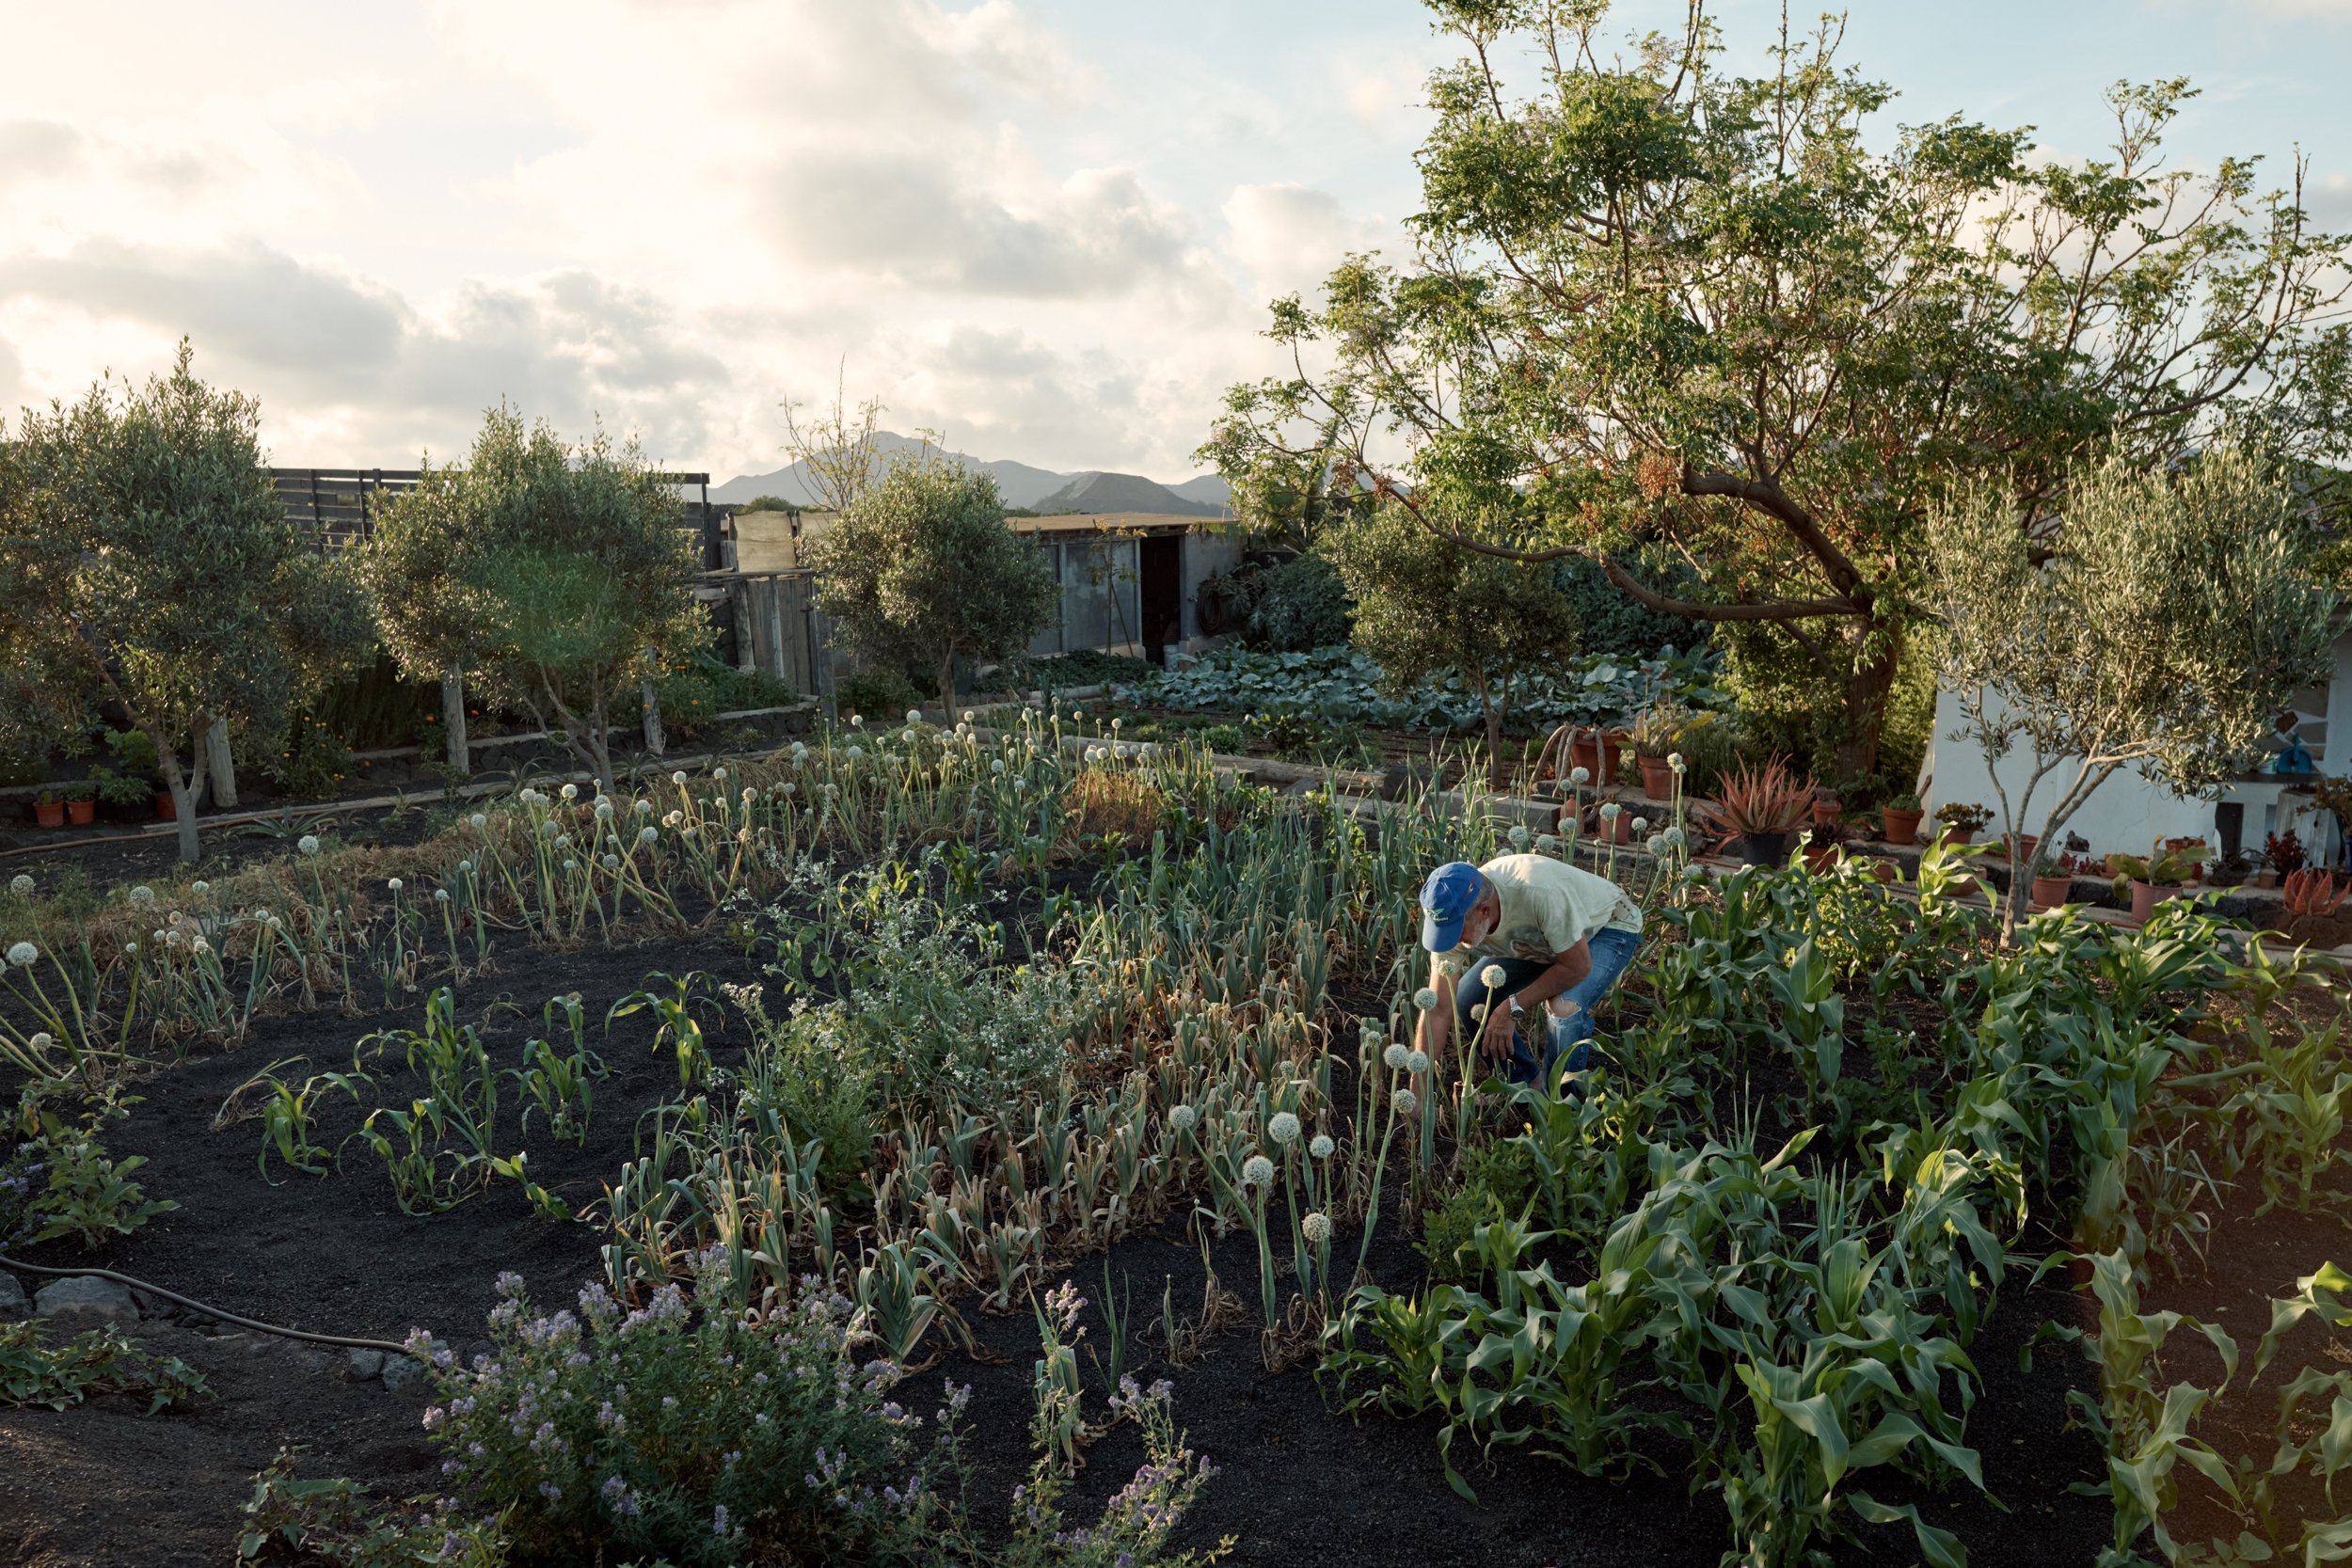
1048,228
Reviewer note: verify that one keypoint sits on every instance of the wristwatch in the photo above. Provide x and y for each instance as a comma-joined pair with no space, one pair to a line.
1515,1004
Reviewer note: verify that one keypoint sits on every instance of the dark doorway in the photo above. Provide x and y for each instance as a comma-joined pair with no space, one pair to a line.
1160,570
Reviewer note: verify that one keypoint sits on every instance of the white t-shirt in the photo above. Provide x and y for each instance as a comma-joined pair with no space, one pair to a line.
1548,905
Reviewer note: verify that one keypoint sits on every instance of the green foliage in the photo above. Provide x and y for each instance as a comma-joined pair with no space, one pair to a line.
2161,627
1424,604
1499,1182
769,504
334,1521
921,571
555,576
1061,671
1296,606
1619,625
1750,320
145,559
879,693
312,764
100,1361
694,690
61,1182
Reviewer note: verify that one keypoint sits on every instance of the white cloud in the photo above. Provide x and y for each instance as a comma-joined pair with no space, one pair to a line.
1290,237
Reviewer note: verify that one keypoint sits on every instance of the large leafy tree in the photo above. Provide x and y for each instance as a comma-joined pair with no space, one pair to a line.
2159,627
1657,305
921,571
1426,604
552,575
145,562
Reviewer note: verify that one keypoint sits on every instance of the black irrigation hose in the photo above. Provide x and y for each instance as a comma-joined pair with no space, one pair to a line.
7,1261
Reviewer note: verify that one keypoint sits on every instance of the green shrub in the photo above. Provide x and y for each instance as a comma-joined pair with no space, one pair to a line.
882,693
1619,625
696,689
312,761
101,1361
61,1182
1498,1183
1298,605
689,1431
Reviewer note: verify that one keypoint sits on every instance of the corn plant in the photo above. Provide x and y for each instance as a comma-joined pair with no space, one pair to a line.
286,1114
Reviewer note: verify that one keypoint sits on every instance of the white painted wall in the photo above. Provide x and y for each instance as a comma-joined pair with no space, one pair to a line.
2130,812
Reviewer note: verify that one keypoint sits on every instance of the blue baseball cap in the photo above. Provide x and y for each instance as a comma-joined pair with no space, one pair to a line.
1446,899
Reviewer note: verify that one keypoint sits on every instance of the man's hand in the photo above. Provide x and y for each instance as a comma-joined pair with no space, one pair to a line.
1502,1025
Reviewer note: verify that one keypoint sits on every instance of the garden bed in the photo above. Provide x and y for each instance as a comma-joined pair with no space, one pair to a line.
1709,1039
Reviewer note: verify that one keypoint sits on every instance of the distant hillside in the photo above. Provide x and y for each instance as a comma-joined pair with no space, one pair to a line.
1123,493
1018,483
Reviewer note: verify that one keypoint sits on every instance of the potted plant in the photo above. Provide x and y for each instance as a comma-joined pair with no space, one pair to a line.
1656,734
136,754
1902,815
49,809
2159,874
1758,812
2282,856
1584,751
1822,850
1827,806
1962,821
2053,883
119,791
81,802
2229,870
2024,845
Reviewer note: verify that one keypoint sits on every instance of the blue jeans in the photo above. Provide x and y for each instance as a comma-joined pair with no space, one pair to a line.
1567,1037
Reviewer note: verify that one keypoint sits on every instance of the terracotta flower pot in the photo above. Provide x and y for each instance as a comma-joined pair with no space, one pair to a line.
2025,842
1584,751
1956,836
81,813
1885,871
1964,887
164,808
1657,778
1616,746
2266,878
1820,861
1825,813
49,814
2050,892
1902,827
2146,897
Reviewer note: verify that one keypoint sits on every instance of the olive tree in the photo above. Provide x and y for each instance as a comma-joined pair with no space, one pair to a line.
145,561
1657,310
1424,603
2159,623
922,570
553,575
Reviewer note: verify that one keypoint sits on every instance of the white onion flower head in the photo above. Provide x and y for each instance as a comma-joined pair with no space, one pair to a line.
552,827
647,836
857,720
678,778
1546,843
855,753
142,896
1320,1146
199,889
1641,825
1181,1119
642,807
1673,837
22,954
1519,838
42,1040
720,774
1494,974
1580,775
1395,1055
1610,811
914,715
478,821
131,949
996,764
750,794
200,946
440,895
604,811
22,886
1257,1171
1283,1128
612,862
1674,760
465,868
1406,1102
308,843
1657,844
393,884
1418,1063
799,751
1426,999
1316,1227
569,792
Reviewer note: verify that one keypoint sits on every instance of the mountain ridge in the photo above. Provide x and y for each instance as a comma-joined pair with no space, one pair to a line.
1020,484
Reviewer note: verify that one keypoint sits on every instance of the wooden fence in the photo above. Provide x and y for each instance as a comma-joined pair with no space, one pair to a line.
335,507
778,629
